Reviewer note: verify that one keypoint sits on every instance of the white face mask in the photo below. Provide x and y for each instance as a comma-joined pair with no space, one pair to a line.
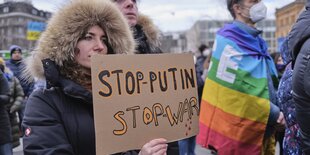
206,52
258,12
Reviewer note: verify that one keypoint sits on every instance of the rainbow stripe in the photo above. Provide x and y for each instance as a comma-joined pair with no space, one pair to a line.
235,104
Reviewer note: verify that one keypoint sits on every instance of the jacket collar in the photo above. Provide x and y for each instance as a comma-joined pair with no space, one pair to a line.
151,32
70,88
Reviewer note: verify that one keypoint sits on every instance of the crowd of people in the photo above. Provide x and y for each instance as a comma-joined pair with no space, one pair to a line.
248,98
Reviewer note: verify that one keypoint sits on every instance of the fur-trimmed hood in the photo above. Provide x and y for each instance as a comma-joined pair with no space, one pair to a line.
151,31
70,23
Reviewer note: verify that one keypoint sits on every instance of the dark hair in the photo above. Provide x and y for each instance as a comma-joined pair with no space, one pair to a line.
230,4
202,47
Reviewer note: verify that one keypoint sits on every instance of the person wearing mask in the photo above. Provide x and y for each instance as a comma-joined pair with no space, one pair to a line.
204,53
280,66
15,102
60,119
238,111
5,130
299,42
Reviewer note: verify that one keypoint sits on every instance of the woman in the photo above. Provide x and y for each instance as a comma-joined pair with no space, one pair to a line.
59,119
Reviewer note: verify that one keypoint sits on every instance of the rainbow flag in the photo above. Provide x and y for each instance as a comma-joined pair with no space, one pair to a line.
235,103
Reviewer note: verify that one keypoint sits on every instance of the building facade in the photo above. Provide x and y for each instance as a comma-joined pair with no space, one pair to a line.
173,42
14,18
286,17
204,31
268,27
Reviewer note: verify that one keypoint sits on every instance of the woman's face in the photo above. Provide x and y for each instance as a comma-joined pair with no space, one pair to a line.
93,42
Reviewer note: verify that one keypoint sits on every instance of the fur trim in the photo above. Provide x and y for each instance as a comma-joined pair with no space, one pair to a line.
150,30
70,23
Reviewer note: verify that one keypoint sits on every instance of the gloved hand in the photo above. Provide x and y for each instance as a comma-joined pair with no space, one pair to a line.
14,108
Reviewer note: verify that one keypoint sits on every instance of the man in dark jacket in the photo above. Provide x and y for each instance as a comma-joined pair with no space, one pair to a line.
145,32
299,41
146,36
16,65
5,130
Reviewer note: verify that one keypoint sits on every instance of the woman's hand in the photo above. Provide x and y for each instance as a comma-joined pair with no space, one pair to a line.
155,147
281,119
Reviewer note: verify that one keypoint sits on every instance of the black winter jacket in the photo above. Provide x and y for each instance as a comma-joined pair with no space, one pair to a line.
299,42
5,128
64,112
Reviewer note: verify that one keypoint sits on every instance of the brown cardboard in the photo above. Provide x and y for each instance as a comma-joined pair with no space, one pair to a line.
144,99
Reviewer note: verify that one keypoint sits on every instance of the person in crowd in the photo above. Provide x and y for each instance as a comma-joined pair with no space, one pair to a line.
299,42
5,130
17,66
204,52
187,146
206,65
238,112
280,66
76,32
292,138
15,102
146,37
145,33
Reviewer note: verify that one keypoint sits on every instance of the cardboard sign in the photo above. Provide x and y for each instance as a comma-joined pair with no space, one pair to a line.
138,98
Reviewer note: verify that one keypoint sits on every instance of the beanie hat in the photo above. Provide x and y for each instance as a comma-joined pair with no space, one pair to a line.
15,48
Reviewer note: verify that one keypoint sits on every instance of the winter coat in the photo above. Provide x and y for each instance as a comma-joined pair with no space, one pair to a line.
146,36
299,42
59,119
17,68
292,139
5,130
15,104
199,71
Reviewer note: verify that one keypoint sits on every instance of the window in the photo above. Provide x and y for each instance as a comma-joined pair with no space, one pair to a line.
35,12
203,26
20,30
268,34
20,19
6,10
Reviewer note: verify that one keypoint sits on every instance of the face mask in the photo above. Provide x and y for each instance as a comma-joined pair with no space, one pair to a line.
206,52
258,12
280,67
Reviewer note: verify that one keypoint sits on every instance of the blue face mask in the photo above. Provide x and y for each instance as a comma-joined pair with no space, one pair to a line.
280,67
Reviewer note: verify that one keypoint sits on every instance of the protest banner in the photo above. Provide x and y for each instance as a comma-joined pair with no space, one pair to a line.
138,98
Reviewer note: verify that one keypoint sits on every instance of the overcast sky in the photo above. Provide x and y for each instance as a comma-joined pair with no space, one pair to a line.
175,15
